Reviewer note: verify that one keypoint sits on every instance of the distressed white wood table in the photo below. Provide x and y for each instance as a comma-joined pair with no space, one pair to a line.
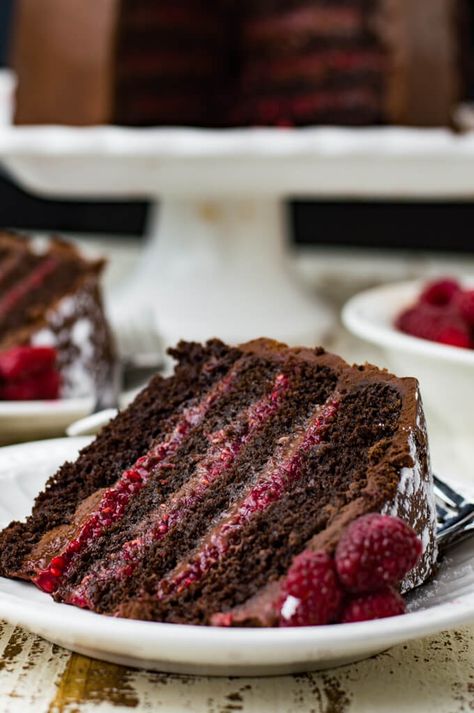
434,675
427,676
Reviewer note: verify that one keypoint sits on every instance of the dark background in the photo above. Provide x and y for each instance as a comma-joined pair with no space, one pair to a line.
402,225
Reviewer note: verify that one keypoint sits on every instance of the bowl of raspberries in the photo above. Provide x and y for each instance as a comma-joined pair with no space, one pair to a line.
424,329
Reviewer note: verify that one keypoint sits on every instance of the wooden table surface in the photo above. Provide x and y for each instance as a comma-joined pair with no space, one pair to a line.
433,675
426,676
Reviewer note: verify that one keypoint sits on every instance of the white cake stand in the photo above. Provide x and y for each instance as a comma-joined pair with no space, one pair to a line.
216,259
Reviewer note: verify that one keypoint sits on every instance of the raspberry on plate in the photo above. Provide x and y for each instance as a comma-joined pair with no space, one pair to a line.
376,551
41,386
22,362
378,605
311,593
29,373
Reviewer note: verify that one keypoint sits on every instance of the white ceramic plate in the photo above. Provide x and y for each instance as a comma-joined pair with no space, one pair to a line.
28,420
444,603
31,420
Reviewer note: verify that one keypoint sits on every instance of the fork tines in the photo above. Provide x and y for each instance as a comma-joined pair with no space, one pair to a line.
455,514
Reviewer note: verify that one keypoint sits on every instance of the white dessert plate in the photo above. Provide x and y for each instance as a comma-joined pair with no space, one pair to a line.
29,420
446,602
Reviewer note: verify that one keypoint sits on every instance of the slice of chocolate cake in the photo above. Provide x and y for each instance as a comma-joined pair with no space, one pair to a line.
50,299
195,502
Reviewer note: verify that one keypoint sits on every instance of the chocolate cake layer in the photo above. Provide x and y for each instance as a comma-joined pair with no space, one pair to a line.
46,282
115,449
220,479
50,296
196,499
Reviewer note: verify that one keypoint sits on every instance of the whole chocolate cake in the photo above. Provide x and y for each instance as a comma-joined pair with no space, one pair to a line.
223,62
52,320
248,464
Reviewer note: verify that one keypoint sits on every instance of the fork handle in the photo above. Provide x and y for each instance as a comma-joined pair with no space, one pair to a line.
108,393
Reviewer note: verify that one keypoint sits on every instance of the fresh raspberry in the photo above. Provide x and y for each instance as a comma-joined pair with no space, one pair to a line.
386,602
49,385
22,362
440,292
421,321
311,594
376,551
455,336
465,306
40,386
437,324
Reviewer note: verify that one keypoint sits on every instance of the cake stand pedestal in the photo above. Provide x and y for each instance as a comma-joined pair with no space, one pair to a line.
220,268
216,261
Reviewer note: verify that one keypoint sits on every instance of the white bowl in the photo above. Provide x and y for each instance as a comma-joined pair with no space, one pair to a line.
446,373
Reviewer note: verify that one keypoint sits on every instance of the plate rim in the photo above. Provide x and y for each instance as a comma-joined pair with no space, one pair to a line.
45,406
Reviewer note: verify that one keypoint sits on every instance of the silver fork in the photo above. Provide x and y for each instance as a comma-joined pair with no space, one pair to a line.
455,515
141,351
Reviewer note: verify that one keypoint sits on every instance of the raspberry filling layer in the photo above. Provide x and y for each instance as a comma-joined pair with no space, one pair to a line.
35,279
114,501
290,108
274,482
225,445
308,22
